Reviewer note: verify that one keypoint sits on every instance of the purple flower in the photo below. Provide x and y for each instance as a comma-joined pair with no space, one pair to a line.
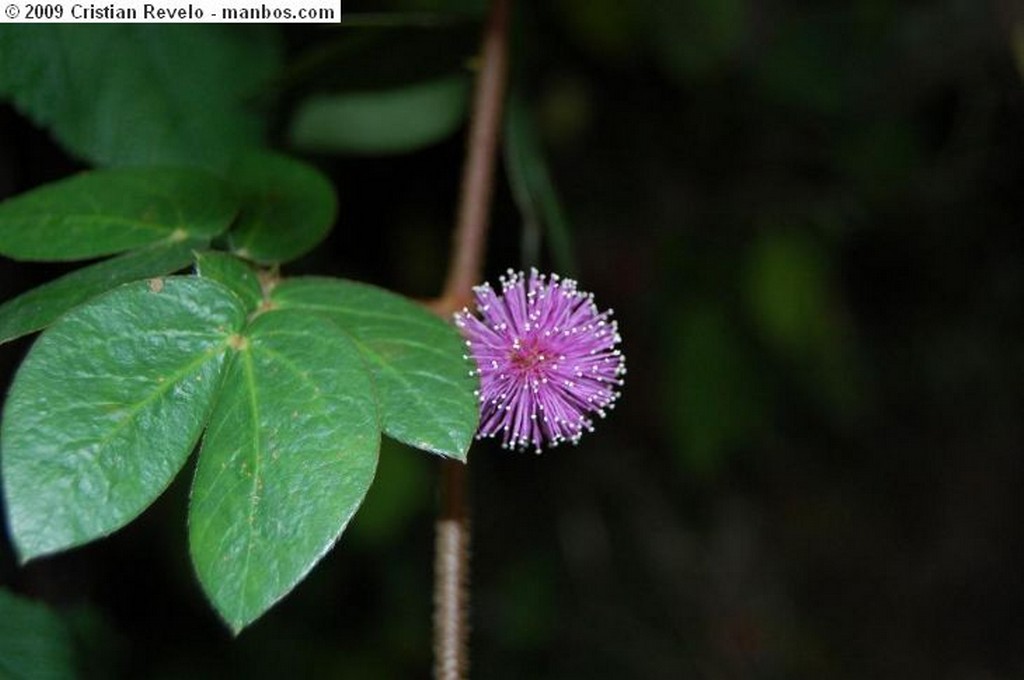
546,358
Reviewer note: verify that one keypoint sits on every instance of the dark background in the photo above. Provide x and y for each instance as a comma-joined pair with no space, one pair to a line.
808,218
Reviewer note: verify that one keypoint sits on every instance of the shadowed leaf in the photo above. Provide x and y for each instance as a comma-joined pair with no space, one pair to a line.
135,94
39,307
288,208
381,121
34,643
108,211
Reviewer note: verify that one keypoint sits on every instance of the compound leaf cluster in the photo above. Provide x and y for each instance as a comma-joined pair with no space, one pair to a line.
285,386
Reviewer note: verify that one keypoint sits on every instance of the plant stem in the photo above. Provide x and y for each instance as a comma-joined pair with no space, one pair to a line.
469,239
451,568
451,576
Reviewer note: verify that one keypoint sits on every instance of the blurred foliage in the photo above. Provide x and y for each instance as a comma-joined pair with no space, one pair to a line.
604,27
808,219
402,492
133,94
694,38
288,208
34,643
710,392
467,7
1018,45
788,289
393,121
534,192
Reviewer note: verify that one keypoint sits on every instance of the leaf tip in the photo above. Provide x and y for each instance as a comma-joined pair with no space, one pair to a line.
24,553
460,455
454,449
236,627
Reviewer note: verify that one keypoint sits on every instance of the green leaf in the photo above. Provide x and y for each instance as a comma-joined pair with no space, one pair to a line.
233,273
381,121
107,406
533,190
288,208
108,211
423,382
288,457
39,307
134,94
35,644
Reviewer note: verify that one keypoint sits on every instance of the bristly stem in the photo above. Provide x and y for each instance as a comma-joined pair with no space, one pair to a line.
451,576
451,568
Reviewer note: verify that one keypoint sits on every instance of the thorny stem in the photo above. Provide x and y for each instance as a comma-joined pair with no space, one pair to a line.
451,567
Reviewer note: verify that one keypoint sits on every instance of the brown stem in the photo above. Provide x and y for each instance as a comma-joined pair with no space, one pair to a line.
451,568
451,577
470,236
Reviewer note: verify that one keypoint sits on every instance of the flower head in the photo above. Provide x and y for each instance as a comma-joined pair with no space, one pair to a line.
546,358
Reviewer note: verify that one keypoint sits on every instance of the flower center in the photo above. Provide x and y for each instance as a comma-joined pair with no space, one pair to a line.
527,357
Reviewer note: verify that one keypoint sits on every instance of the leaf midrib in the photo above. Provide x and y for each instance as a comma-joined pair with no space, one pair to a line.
112,220
162,388
249,374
